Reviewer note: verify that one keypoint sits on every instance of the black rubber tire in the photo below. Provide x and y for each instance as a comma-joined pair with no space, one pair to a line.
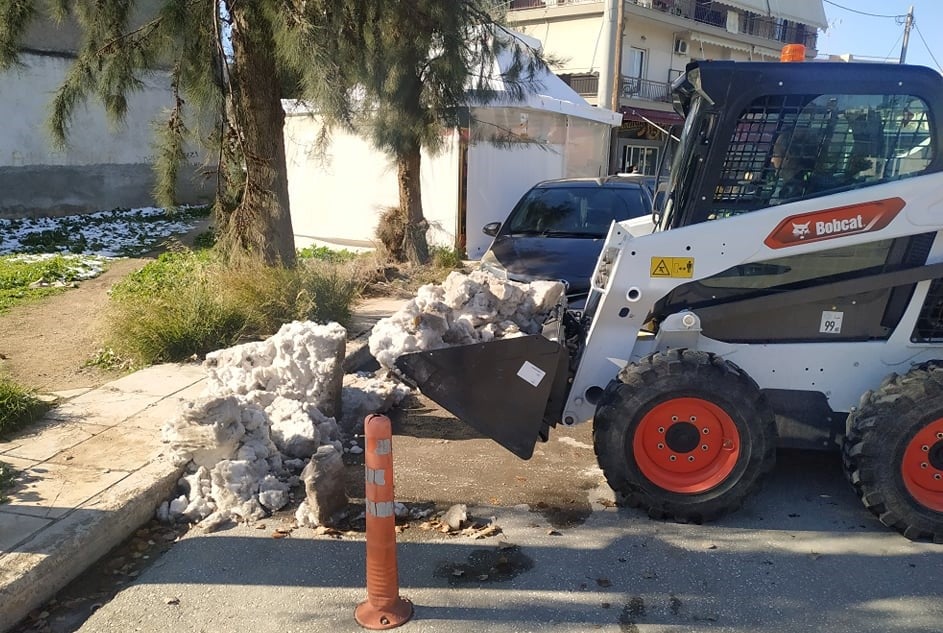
877,435
665,376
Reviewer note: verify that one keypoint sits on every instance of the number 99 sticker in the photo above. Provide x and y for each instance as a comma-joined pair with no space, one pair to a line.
831,322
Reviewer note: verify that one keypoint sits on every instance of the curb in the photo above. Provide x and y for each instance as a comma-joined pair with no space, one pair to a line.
50,561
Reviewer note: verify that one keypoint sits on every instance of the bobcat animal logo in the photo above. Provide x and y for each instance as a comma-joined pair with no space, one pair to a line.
801,230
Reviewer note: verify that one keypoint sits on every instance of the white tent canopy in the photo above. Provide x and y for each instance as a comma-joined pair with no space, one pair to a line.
552,93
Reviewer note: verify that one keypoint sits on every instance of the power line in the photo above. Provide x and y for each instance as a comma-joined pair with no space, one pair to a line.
917,28
872,15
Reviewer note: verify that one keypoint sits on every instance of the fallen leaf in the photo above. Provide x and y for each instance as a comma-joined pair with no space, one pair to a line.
554,533
458,572
260,526
277,534
483,577
173,600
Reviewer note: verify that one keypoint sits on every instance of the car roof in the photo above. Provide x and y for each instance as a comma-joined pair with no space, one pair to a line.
605,181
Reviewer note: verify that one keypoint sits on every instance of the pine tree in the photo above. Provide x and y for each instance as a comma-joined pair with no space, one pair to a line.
421,62
410,63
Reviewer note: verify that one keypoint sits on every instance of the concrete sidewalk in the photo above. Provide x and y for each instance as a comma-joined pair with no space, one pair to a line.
94,470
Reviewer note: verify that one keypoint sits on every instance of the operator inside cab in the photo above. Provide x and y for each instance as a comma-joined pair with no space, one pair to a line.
794,157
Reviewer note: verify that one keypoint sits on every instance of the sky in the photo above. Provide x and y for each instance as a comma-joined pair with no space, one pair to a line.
850,31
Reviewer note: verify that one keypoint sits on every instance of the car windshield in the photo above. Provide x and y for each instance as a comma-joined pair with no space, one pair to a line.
576,211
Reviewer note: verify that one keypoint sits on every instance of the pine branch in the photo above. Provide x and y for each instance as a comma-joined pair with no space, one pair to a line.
15,16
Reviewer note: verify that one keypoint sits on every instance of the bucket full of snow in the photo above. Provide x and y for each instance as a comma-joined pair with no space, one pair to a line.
488,350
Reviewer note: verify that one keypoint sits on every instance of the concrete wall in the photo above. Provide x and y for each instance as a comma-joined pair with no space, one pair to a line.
337,198
337,194
105,166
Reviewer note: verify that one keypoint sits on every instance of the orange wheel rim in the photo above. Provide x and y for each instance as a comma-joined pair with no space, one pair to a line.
686,445
922,466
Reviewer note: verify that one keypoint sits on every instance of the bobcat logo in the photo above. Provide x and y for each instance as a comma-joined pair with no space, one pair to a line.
801,230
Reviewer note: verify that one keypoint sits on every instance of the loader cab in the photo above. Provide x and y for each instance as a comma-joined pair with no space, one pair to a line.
758,135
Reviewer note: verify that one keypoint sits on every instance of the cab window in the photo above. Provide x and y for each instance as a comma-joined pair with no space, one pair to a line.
792,147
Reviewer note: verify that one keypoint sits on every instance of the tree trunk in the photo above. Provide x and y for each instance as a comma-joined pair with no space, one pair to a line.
261,224
415,245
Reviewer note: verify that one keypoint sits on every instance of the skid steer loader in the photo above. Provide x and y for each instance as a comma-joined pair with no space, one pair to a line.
791,296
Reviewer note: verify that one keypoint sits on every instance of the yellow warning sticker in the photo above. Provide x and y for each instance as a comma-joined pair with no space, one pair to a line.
679,267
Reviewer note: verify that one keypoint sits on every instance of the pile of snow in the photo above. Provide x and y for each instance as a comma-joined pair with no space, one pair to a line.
270,409
464,309
267,408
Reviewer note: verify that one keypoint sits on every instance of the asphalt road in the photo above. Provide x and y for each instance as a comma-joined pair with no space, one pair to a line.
802,555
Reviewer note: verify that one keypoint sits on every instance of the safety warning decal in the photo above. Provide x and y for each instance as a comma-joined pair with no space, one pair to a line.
679,267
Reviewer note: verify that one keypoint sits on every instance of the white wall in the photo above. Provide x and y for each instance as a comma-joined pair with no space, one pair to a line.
497,178
25,103
575,40
337,201
104,166
337,198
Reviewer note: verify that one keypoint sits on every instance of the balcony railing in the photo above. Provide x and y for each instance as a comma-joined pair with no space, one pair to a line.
714,14
632,87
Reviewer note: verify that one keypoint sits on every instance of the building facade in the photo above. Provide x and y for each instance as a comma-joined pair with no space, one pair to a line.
628,65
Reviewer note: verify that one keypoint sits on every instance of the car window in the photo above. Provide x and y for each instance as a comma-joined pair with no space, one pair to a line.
576,211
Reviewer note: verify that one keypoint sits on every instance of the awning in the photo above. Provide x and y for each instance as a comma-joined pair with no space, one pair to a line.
658,117
803,11
718,41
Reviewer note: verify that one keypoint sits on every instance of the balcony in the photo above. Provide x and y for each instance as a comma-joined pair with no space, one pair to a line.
587,85
706,12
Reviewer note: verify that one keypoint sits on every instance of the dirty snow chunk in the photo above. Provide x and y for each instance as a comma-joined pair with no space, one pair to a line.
235,488
273,494
325,496
465,309
206,430
455,516
302,361
293,429
365,393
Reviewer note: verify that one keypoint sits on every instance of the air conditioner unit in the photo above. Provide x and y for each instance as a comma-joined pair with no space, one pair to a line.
681,47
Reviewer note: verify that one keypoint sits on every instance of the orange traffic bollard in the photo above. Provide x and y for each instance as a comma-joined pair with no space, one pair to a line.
383,608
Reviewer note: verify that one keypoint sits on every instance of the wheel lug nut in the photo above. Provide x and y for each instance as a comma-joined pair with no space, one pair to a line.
690,458
661,446
674,418
705,430
673,458
924,465
704,447
661,430
693,418
938,477
939,436
925,448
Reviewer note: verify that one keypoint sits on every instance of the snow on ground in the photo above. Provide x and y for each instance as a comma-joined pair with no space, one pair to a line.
116,233
275,407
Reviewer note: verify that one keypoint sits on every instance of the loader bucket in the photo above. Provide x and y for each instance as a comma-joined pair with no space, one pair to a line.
510,390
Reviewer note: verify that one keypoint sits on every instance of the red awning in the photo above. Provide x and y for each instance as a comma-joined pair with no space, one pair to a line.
658,117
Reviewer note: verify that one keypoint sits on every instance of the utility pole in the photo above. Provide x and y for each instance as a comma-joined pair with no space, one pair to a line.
614,159
908,24
607,45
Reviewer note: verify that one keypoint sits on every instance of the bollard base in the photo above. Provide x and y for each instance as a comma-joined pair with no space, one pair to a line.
375,618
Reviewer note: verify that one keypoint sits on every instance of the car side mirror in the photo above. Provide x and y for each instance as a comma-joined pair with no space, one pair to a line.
491,228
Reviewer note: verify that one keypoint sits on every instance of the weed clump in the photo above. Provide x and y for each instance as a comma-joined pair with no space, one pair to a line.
188,303
18,406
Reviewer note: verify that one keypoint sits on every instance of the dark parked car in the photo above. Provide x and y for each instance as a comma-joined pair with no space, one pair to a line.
557,228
